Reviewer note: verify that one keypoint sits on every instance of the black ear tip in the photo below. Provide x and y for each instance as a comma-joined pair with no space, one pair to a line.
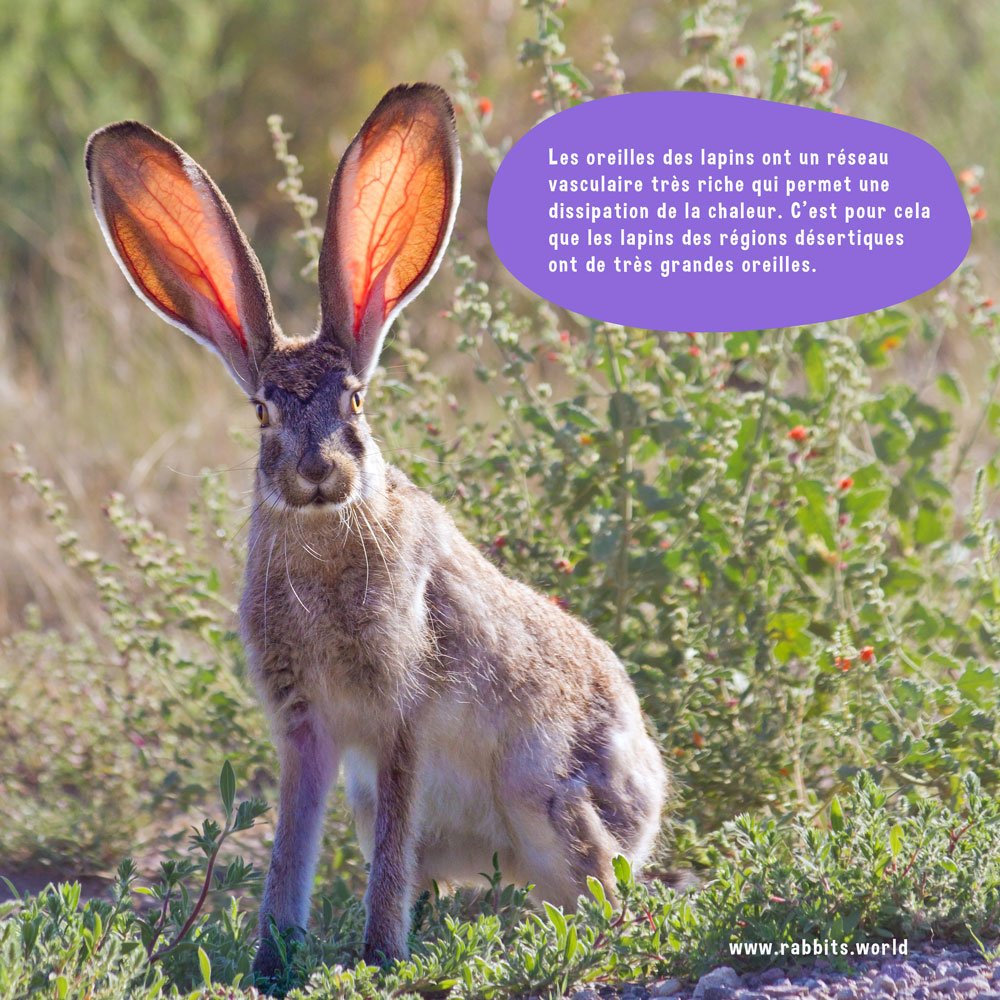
117,133
414,95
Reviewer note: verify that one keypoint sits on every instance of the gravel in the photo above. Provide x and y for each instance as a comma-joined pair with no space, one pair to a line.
930,973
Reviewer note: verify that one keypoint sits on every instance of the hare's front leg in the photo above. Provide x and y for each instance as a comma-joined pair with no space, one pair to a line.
393,860
308,759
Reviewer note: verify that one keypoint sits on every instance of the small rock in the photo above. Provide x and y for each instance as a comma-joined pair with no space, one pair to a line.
845,993
586,994
973,970
945,984
948,968
719,993
973,985
749,995
904,973
921,993
723,978
665,988
773,975
886,984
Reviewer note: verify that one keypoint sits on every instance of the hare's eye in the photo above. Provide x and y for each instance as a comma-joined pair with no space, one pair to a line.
263,417
357,402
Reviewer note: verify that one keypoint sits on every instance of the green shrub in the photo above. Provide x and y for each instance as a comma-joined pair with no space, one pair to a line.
882,870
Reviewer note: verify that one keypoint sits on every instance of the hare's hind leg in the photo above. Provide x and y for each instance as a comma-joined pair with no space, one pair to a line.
570,816
308,758
557,832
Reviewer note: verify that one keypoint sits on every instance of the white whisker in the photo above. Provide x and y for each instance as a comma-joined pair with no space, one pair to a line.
267,573
288,575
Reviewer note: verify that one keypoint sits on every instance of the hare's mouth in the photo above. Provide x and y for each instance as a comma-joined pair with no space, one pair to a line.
317,504
320,498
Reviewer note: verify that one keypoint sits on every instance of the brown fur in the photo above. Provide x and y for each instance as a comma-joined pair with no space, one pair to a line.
471,715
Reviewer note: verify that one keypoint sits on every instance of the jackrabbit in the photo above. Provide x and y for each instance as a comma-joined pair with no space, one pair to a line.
471,714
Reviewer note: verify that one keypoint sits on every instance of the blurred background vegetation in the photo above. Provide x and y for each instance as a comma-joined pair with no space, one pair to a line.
105,397
108,399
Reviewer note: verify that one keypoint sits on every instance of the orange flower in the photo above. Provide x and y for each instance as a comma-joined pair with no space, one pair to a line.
694,350
698,740
867,655
846,483
739,58
979,214
485,106
822,69
798,433
843,663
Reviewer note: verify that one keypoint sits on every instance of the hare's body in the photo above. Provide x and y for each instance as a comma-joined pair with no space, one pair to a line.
526,736
472,716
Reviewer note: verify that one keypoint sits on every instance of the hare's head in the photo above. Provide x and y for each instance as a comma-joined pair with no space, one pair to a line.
392,205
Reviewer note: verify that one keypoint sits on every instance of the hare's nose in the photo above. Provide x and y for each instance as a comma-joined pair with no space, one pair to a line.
313,467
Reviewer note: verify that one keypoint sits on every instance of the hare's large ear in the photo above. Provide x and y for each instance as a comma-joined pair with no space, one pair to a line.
176,239
392,205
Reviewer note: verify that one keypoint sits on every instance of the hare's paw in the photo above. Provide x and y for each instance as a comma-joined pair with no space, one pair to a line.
275,953
384,948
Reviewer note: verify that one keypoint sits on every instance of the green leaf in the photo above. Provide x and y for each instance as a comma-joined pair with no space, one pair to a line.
596,888
227,787
837,815
558,921
572,944
949,386
896,840
624,411
815,515
778,80
930,526
623,870
206,967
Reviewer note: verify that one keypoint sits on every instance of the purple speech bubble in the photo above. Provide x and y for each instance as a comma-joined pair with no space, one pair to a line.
688,211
